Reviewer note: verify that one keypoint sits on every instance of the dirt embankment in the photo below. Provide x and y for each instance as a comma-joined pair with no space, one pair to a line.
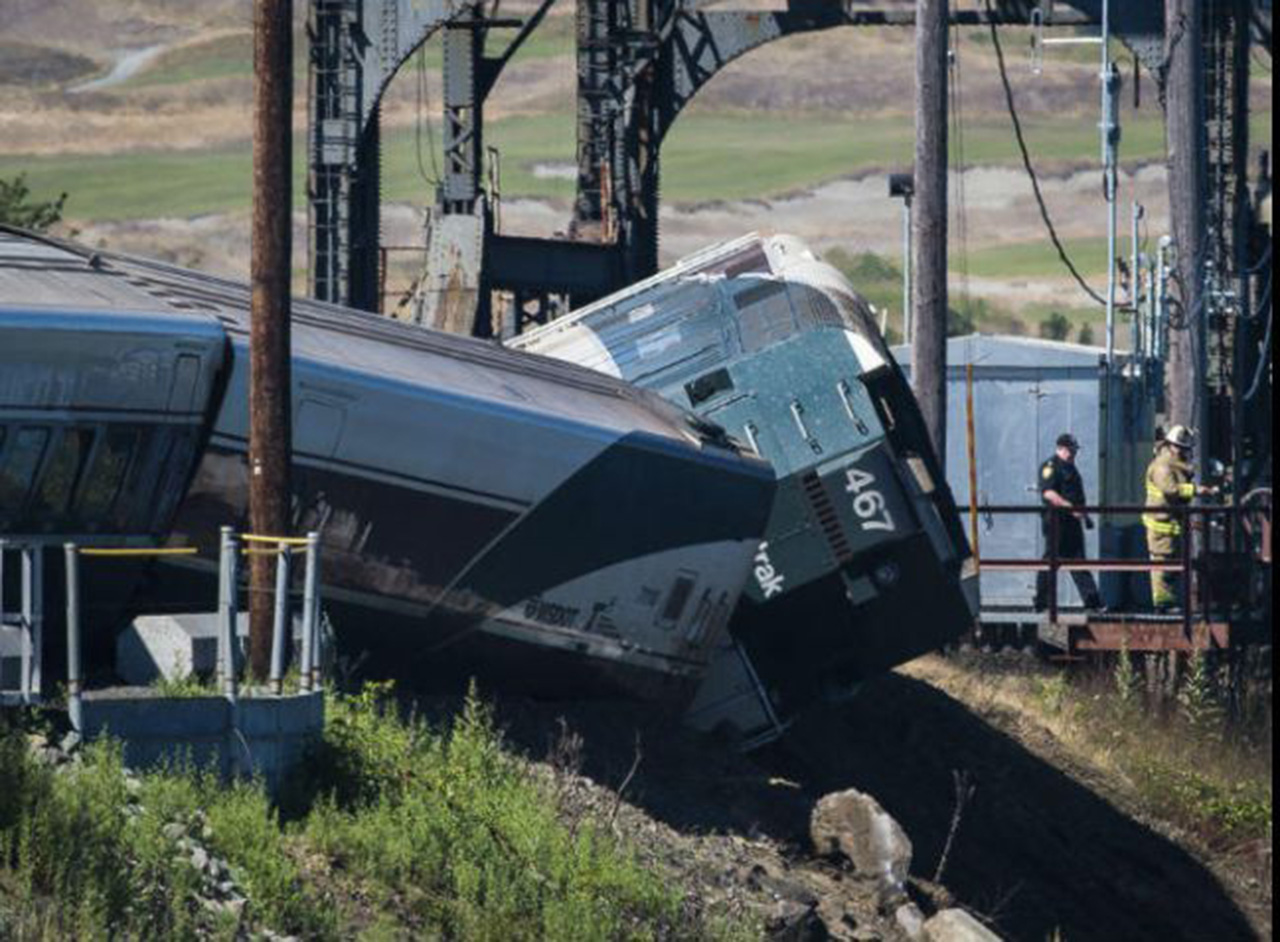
1045,845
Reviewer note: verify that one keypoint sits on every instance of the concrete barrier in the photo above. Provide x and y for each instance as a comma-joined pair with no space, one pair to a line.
264,736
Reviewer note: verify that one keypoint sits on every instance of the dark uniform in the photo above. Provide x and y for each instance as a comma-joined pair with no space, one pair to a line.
1064,478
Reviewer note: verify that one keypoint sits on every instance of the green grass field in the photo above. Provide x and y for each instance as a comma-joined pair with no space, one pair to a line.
1039,259
707,157
231,56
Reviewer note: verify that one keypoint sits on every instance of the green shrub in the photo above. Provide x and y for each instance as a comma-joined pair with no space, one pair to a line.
84,865
441,833
17,208
246,830
1057,326
1223,814
467,839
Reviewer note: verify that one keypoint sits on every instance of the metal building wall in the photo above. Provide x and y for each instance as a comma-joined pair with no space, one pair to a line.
1026,393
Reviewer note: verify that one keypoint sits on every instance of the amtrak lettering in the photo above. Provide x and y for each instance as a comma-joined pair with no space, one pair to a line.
767,576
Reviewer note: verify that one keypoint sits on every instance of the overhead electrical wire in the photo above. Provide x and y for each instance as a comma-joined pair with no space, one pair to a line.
423,104
1030,168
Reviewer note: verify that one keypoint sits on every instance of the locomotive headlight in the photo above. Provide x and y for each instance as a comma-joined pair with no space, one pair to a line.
922,475
970,586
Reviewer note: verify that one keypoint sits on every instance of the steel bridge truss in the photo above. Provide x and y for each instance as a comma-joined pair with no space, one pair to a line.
639,62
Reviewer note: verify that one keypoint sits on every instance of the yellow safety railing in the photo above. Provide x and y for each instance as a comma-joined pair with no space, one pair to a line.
282,547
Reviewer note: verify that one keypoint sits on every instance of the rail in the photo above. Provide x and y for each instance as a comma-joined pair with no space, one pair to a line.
1189,565
230,549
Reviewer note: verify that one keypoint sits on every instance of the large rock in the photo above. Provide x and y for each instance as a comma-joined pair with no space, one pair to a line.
956,925
854,824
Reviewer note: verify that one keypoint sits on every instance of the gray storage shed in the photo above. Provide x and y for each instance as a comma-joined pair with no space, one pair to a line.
1026,393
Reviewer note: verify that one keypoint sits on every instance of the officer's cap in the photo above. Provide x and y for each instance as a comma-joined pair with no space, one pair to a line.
1067,440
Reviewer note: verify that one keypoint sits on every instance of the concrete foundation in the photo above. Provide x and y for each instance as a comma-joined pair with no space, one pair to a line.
260,735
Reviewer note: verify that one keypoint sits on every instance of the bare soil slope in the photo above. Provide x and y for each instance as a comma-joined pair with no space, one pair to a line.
1046,845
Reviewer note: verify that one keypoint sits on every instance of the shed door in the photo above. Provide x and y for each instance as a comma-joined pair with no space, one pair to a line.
1006,405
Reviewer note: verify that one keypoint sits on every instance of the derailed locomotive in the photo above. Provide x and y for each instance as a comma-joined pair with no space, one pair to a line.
482,512
864,564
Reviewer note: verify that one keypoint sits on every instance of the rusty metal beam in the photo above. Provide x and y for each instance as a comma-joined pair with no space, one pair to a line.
1079,565
1140,636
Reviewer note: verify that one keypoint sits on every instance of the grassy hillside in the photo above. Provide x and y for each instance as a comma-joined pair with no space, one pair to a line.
787,154
395,829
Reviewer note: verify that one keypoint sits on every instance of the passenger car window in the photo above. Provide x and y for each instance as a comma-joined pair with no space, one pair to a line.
105,475
138,493
21,461
58,480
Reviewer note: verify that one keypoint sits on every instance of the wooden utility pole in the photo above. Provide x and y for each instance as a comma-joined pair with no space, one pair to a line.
929,222
271,269
1187,143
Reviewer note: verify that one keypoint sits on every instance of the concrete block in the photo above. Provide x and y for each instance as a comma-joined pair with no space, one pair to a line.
10,658
264,736
177,646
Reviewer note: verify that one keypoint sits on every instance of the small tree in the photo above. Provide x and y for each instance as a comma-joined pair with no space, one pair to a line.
1057,326
1085,337
18,209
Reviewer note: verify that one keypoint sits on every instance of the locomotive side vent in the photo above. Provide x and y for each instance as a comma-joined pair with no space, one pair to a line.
828,519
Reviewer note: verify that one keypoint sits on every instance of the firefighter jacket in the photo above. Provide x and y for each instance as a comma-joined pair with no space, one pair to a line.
1169,484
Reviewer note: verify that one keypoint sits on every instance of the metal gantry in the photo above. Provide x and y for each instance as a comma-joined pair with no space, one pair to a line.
355,49
639,64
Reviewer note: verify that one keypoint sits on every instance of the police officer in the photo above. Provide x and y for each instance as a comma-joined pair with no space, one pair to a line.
1062,489
1170,483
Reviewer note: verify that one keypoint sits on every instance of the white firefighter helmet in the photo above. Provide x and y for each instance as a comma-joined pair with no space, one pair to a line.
1181,437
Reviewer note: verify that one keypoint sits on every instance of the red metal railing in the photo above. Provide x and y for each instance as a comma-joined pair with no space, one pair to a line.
1193,559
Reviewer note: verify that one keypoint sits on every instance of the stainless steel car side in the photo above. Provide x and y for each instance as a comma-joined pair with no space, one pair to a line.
482,512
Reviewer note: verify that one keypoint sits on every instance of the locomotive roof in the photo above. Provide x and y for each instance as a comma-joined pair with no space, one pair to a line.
46,273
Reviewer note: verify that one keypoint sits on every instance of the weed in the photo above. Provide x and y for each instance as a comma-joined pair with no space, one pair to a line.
1223,814
1198,700
1185,764
1051,691
1126,678
82,864
442,832
468,839
184,686
246,830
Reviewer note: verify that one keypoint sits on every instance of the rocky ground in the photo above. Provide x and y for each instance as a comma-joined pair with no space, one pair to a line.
1044,844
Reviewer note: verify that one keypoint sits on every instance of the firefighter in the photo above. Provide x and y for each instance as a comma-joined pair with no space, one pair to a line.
1169,484
1062,488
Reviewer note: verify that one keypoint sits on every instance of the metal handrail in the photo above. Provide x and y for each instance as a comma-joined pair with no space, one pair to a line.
1185,514
229,550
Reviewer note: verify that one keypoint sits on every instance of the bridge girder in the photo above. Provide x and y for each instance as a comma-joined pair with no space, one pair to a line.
656,56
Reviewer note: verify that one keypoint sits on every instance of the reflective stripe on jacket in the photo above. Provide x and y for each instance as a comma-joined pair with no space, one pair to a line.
1169,484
